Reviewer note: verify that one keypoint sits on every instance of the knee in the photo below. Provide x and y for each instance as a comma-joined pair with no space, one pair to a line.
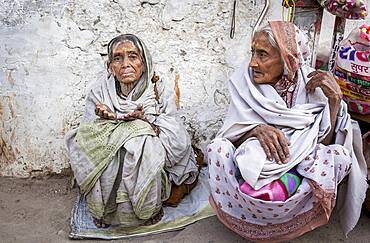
219,142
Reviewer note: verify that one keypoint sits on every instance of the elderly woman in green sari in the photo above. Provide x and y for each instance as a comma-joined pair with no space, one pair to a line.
130,148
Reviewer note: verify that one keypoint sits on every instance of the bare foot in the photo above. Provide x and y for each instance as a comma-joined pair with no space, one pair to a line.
155,219
99,223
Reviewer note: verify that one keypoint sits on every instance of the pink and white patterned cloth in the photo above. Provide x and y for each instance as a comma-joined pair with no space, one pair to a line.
257,219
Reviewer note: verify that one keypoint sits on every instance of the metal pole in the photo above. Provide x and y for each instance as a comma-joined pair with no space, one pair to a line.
232,30
264,11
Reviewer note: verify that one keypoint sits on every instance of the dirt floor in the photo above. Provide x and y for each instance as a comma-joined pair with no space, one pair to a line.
34,210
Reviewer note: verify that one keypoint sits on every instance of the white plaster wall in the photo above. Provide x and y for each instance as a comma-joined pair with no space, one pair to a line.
51,50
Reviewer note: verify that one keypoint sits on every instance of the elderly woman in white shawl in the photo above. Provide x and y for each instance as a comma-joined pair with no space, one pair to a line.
130,149
286,143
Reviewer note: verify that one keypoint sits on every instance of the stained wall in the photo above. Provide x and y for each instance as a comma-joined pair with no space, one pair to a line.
52,50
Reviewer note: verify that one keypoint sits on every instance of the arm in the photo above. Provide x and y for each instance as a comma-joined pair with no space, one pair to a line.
103,111
334,106
326,81
246,135
272,140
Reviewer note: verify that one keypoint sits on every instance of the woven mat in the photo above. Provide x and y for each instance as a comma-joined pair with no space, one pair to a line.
193,207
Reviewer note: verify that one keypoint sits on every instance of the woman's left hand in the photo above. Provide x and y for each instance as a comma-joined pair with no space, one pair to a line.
325,81
138,113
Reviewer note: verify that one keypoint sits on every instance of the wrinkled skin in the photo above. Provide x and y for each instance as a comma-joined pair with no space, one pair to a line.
326,82
103,111
272,140
127,64
127,67
266,62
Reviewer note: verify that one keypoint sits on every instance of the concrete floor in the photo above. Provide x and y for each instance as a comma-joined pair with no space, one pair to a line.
38,211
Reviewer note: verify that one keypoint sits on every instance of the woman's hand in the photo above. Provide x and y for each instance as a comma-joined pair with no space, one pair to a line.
273,142
138,113
103,111
325,81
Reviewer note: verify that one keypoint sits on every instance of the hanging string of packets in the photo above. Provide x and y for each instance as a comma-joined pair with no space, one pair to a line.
365,32
349,9
289,6
352,69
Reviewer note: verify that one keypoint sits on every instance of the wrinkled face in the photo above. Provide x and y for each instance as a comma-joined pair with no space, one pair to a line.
126,65
266,62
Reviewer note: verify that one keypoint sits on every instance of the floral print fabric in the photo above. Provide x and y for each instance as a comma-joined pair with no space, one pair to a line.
322,170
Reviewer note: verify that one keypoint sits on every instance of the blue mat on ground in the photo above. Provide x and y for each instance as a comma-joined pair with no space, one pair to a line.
192,208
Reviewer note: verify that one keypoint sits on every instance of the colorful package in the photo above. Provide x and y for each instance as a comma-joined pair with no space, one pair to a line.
352,70
349,9
277,190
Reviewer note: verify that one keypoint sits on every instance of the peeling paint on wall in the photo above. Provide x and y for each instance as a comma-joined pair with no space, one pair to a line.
6,152
52,51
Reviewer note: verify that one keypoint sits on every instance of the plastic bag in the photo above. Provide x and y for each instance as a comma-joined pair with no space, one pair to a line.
352,69
349,9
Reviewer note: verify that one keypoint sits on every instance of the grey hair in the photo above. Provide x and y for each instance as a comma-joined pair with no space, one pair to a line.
270,35
121,38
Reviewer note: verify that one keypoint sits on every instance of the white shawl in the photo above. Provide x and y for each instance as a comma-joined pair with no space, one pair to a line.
305,125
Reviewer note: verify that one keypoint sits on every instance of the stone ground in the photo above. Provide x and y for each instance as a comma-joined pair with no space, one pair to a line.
33,210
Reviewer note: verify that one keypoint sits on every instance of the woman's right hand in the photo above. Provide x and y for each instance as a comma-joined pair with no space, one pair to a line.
103,111
138,113
273,142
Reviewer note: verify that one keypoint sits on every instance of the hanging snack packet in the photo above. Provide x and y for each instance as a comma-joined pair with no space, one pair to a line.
352,70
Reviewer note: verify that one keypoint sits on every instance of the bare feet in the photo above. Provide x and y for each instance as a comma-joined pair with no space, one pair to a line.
99,223
155,219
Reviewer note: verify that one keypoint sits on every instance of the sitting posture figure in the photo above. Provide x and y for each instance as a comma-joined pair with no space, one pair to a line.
130,149
286,143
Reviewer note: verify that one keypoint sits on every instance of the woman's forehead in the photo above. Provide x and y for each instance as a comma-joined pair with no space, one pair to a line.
125,45
260,41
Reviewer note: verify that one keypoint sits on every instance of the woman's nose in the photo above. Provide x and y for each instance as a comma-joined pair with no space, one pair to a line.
126,62
253,62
